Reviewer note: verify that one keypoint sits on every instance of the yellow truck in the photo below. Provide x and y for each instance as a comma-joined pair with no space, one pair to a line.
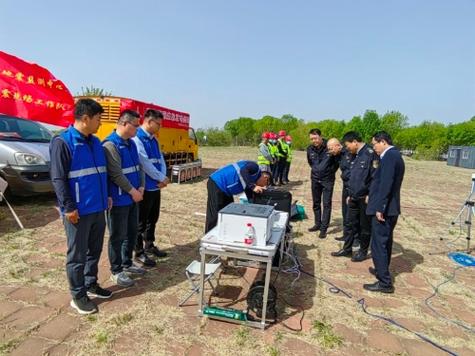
177,139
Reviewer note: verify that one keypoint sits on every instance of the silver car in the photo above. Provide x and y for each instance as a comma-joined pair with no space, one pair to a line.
24,156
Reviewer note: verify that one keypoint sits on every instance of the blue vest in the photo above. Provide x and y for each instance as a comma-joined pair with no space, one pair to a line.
130,168
229,179
88,173
153,154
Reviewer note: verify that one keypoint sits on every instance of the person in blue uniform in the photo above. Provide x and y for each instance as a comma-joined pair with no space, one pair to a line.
384,207
126,187
155,168
79,176
230,180
362,170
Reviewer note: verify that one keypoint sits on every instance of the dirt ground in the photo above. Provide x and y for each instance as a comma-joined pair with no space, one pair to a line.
35,317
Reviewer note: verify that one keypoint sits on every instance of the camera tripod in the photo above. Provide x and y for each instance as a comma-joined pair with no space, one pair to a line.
463,219
467,211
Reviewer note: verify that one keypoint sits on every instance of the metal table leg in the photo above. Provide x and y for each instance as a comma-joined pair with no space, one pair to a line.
202,279
266,292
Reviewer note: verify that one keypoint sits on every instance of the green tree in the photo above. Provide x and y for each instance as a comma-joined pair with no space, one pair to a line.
393,122
93,91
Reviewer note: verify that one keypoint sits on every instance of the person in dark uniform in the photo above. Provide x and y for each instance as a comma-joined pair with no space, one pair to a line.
384,207
361,174
230,180
324,164
346,157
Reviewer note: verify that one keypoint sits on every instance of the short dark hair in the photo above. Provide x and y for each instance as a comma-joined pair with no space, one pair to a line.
152,114
315,132
128,116
351,136
87,107
383,135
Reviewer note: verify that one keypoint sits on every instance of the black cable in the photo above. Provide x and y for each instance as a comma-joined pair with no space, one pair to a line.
335,289
395,323
436,291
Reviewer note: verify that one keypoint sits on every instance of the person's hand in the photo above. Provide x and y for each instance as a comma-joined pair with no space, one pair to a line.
366,199
72,217
258,189
348,200
136,195
380,216
109,203
141,190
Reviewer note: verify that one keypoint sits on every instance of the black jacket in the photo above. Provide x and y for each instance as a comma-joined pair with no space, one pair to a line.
385,191
323,164
361,172
346,157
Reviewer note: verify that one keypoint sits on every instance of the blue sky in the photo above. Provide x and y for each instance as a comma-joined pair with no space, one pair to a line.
219,60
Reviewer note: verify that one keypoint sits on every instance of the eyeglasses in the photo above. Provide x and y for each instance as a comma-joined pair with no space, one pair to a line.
134,125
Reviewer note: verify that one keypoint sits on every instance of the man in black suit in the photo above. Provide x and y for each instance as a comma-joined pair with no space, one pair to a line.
384,207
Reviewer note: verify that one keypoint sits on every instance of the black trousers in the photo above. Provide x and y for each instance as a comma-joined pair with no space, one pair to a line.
273,168
149,212
360,225
322,191
286,172
216,201
344,213
281,169
85,241
382,246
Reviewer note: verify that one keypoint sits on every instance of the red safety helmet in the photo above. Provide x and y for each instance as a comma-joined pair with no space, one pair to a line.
282,133
266,135
288,138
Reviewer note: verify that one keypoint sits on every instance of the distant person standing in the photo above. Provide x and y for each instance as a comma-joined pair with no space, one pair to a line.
275,156
384,207
323,162
79,176
155,168
283,151
288,141
264,158
126,187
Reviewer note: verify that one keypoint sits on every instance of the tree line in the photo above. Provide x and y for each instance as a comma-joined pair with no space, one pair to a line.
427,140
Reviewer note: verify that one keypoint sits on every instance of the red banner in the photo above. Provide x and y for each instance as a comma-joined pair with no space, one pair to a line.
171,118
32,92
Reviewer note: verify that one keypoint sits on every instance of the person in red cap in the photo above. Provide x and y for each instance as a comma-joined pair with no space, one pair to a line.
272,145
264,158
282,154
288,141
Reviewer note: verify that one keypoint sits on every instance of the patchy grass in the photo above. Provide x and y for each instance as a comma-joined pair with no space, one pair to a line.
325,335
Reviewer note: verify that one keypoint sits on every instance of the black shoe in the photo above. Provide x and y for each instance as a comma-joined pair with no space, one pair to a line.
83,305
323,235
372,270
155,252
343,238
144,260
359,256
342,253
314,228
96,291
377,287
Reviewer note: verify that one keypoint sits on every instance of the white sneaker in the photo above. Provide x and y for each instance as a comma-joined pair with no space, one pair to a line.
122,279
